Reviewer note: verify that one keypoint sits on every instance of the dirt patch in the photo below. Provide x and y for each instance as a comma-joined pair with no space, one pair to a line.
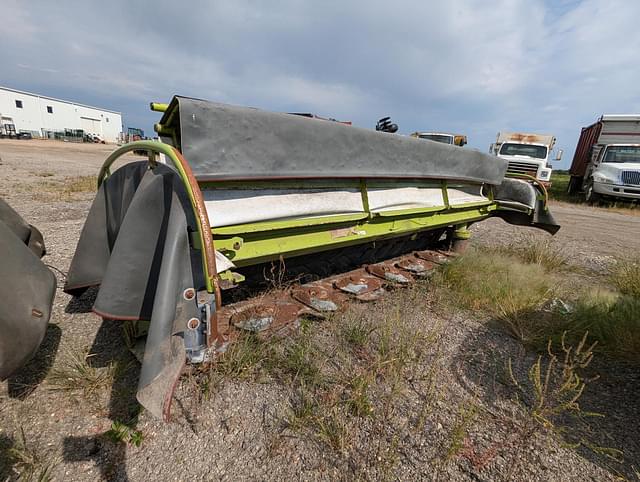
453,416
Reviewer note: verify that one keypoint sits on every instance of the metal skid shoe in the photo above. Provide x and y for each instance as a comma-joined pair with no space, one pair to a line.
361,285
390,273
314,295
419,268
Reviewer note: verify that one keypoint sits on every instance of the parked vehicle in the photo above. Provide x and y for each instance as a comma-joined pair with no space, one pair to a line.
7,127
607,159
385,125
527,154
134,134
445,138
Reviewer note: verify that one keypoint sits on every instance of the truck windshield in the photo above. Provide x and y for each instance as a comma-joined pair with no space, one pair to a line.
529,150
622,154
438,138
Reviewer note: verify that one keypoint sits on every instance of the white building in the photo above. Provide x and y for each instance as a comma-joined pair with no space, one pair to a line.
43,116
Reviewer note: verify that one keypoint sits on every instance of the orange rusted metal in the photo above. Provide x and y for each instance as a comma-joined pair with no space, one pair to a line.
208,247
279,312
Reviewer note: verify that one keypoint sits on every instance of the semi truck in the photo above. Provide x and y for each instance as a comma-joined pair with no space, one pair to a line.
444,137
606,163
527,154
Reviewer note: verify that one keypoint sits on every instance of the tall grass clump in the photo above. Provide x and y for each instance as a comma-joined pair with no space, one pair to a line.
536,251
502,286
626,277
610,319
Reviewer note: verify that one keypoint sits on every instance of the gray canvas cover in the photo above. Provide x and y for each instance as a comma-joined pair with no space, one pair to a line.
222,141
27,289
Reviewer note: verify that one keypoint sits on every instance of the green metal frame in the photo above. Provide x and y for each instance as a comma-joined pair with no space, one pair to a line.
253,243
271,241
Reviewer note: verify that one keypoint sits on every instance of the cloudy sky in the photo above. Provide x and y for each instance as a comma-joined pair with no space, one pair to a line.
469,66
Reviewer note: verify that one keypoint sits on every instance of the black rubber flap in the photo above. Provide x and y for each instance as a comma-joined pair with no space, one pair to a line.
135,244
519,205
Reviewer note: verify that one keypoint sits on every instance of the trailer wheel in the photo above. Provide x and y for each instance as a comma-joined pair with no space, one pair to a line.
590,195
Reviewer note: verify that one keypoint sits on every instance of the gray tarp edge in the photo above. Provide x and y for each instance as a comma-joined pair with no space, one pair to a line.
225,142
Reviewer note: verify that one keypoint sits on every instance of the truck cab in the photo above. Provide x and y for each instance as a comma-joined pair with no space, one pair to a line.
606,162
527,154
615,173
443,137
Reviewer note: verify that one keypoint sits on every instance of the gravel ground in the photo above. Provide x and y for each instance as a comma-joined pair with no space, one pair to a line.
238,433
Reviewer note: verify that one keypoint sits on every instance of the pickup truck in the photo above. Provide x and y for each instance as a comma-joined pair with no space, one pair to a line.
445,138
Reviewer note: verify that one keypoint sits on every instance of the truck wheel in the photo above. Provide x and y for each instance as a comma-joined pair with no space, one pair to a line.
590,195
574,185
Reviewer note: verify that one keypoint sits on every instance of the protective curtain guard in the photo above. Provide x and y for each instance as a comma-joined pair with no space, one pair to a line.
135,245
27,289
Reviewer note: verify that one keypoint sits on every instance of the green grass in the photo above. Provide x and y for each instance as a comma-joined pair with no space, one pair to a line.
467,414
608,318
505,288
516,293
558,189
626,277
123,433
355,332
532,250
244,359
351,367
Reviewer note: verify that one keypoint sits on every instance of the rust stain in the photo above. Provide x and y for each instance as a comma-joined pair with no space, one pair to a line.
526,138
341,233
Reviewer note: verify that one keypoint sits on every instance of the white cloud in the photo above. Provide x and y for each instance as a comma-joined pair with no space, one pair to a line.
467,65
16,24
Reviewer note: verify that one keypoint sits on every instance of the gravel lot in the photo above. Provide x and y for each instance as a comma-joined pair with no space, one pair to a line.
238,432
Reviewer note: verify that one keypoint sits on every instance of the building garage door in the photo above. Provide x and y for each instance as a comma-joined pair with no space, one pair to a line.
91,126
